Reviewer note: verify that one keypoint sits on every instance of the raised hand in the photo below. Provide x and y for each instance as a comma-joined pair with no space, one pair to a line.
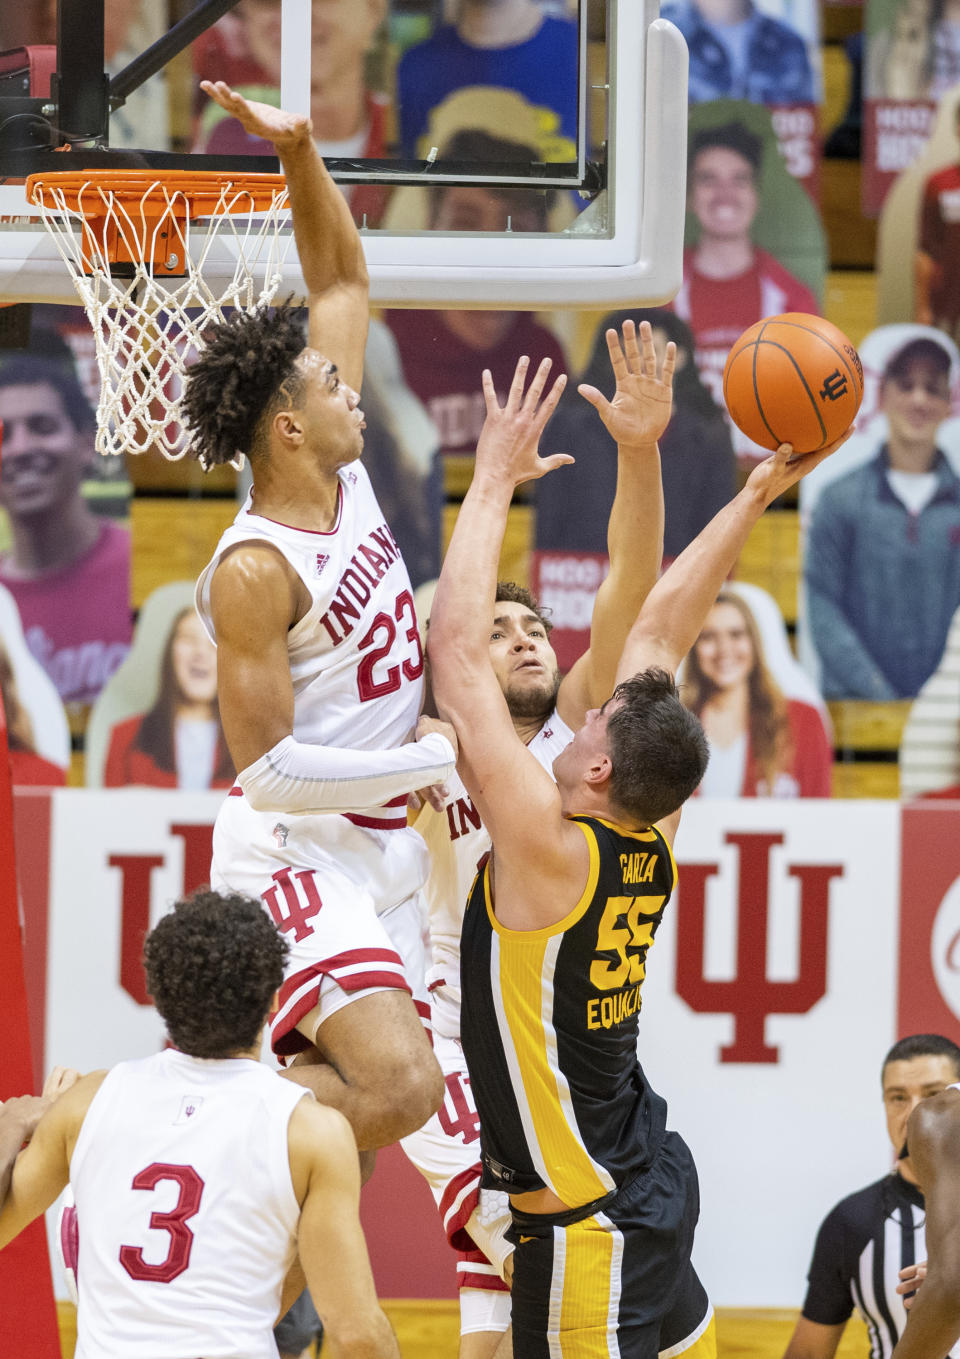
510,438
785,468
60,1080
285,130
641,405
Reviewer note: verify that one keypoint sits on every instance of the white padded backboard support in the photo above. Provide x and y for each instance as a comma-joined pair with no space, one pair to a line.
637,260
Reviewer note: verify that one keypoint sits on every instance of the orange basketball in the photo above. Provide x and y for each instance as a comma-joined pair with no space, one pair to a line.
793,379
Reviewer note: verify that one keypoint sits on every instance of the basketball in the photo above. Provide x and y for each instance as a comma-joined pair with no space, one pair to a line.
793,379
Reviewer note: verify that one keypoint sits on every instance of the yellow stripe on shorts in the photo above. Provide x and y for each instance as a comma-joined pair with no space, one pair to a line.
591,1290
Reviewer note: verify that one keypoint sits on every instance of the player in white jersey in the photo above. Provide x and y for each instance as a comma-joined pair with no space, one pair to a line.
199,1173
545,711
319,670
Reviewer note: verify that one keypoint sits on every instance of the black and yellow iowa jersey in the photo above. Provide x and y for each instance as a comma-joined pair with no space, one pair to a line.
549,1025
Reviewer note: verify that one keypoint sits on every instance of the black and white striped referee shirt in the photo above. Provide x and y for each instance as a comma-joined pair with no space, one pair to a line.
861,1247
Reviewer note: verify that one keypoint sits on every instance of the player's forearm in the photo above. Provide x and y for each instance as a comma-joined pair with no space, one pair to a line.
328,243
933,1323
295,777
458,639
14,1129
634,536
675,609
369,1337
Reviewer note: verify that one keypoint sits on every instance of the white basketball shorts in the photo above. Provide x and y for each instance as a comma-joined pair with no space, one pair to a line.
345,895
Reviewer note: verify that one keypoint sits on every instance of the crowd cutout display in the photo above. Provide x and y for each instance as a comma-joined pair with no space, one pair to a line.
881,521
754,243
767,53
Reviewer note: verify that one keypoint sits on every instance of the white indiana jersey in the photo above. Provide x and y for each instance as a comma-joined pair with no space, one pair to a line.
458,840
186,1211
355,657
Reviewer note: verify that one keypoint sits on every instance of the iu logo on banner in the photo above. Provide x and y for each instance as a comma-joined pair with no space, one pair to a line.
929,982
750,996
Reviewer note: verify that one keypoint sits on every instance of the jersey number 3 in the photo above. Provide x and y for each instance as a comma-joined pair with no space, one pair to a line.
174,1222
378,642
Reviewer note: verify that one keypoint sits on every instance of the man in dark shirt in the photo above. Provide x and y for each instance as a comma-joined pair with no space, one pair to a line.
871,1235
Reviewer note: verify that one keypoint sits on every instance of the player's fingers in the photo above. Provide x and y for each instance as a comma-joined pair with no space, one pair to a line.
618,360
221,91
59,1079
669,364
437,796
595,397
489,392
555,460
515,395
631,346
649,364
535,390
549,404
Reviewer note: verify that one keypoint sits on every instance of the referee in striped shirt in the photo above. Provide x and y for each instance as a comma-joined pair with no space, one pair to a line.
866,1240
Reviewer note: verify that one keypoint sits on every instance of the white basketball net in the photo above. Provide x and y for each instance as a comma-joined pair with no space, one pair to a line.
146,326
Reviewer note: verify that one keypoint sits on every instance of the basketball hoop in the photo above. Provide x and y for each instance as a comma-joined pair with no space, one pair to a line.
135,242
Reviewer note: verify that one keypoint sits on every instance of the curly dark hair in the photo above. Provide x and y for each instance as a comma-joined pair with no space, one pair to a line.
657,747
234,383
509,592
213,964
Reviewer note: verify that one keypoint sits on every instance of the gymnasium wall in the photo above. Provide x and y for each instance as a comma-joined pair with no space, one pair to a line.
803,941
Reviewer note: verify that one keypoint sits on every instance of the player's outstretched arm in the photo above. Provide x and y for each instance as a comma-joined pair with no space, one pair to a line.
333,1252
328,243
515,796
31,1179
933,1136
674,612
254,601
636,418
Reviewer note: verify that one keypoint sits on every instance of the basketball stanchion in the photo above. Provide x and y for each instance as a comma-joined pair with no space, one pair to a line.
135,242
27,1307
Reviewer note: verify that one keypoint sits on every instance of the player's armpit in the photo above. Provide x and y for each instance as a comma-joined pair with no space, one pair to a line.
333,1252
255,598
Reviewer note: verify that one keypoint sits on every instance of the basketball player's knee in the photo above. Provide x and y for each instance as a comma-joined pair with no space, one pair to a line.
413,1091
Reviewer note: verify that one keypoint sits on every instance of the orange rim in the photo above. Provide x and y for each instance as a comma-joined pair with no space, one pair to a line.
200,188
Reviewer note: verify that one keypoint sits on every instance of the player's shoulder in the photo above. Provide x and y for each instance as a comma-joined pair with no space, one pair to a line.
70,1109
251,563
319,1137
